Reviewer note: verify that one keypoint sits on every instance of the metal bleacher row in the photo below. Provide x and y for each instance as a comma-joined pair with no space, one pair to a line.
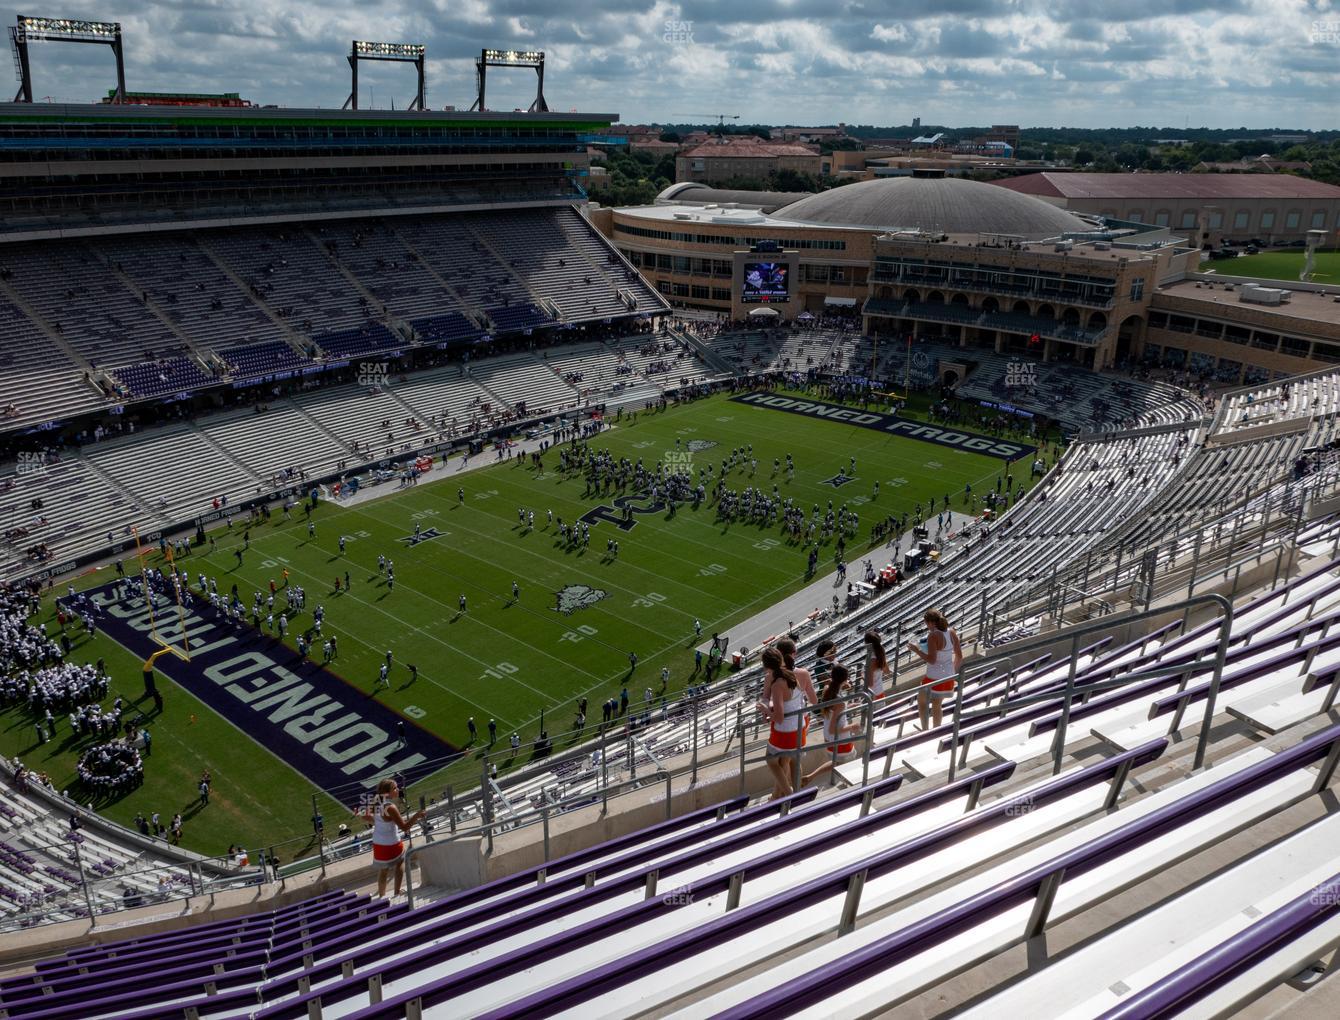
1141,873
169,313
1314,398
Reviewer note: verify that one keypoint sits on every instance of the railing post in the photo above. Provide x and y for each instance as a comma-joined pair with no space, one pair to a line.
1195,566
1327,768
604,777
486,800
1058,747
83,882
733,893
694,700
958,725
1221,652
409,878
1042,906
451,808
869,711
852,904
740,724
897,653
544,822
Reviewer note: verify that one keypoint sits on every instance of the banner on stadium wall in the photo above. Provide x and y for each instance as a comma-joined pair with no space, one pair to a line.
892,424
339,737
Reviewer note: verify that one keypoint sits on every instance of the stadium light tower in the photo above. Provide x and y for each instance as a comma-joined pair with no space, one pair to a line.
511,58
29,29
408,53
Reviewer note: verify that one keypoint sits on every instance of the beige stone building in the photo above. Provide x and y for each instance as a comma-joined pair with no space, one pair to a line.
1276,208
979,266
720,160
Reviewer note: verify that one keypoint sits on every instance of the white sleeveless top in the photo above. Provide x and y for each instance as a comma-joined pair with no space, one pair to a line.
876,683
795,701
832,730
942,666
384,831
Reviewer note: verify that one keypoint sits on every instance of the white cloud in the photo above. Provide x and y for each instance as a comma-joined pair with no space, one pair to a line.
1084,62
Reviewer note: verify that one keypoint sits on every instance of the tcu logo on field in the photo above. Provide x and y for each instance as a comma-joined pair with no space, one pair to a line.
426,535
618,515
577,596
838,480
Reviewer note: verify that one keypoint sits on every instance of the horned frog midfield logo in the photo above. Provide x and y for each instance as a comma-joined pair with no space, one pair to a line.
699,445
577,596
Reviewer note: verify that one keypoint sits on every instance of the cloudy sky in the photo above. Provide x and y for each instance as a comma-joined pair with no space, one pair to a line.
1086,63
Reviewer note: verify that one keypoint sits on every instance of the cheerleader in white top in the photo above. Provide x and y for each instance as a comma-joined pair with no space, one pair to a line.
943,656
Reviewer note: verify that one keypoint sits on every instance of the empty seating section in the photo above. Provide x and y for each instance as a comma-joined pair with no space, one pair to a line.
162,377
40,860
1219,478
167,313
518,378
370,338
78,511
81,298
272,357
380,424
448,397
541,254
185,284
598,251
38,381
288,271
446,329
378,258
173,470
450,246
282,439
1314,397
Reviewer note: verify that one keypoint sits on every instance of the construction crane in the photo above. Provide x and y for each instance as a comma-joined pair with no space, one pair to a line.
721,119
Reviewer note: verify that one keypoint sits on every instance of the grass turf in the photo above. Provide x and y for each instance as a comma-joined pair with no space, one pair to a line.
1278,265
503,659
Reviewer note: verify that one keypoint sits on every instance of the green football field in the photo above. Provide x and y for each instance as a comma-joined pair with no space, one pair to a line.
506,659
1278,265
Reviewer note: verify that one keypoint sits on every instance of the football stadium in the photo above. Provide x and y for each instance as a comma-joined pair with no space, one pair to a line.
426,593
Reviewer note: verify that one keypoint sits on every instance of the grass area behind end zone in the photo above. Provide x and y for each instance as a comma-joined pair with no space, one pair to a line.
1278,265
501,658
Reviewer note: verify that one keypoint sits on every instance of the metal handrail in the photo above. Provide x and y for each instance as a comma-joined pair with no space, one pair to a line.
1068,695
542,813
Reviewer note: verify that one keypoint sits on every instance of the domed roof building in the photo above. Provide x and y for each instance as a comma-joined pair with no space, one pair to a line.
929,201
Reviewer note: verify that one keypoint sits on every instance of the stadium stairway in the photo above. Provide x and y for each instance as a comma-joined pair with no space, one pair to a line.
433,271
503,262
217,257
